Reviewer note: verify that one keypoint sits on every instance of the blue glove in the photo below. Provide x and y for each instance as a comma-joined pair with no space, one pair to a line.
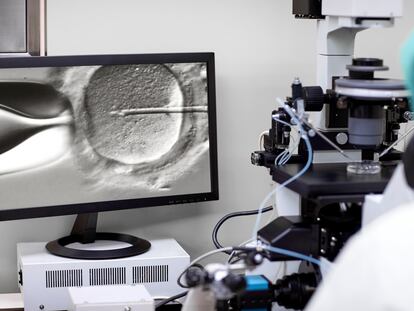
407,57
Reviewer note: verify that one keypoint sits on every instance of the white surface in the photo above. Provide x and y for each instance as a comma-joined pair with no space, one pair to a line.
396,194
367,93
11,301
374,272
259,47
35,261
371,208
336,43
336,35
287,202
35,252
111,298
199,300
363,8
335,157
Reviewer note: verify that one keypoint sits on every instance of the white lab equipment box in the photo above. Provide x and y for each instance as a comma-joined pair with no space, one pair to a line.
45,278
110,298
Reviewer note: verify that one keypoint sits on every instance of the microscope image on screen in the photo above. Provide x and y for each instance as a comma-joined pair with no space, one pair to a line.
105,132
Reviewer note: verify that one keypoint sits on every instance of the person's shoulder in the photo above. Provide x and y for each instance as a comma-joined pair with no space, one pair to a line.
391,230
396,218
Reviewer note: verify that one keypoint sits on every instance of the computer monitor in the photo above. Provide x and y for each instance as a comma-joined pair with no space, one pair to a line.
85,134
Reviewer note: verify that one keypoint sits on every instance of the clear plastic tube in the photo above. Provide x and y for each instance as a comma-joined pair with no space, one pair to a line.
285,156
216,251
292,254
272,249
261,140
282,122
303,171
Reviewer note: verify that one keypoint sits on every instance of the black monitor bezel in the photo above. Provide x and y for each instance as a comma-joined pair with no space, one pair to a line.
120,59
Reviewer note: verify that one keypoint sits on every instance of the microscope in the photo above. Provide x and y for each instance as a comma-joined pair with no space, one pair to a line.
353,121
349,125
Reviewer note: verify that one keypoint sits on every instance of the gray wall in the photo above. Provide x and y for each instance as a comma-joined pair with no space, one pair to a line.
259,48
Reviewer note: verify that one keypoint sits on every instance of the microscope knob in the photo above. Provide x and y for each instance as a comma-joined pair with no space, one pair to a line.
313,97
294,291
364,68
195,276
236,283
368,62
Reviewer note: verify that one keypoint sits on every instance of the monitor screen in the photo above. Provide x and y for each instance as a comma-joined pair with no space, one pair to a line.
106,132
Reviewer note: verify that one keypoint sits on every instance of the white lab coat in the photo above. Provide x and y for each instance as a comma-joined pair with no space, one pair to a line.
375,271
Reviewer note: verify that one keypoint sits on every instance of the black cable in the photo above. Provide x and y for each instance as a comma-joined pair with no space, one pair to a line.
229,216
165,301
182,274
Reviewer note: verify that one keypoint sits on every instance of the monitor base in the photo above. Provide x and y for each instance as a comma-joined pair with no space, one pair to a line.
84,231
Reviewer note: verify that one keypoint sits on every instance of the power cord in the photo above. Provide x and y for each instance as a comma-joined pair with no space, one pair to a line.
165,301
217,227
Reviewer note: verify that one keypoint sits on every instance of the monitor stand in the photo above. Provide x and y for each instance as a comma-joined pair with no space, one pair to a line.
84,232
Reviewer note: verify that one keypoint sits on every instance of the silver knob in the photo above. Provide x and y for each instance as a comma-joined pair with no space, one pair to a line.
342,138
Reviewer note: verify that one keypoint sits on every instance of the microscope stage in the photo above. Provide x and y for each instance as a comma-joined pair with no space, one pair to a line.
332,179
